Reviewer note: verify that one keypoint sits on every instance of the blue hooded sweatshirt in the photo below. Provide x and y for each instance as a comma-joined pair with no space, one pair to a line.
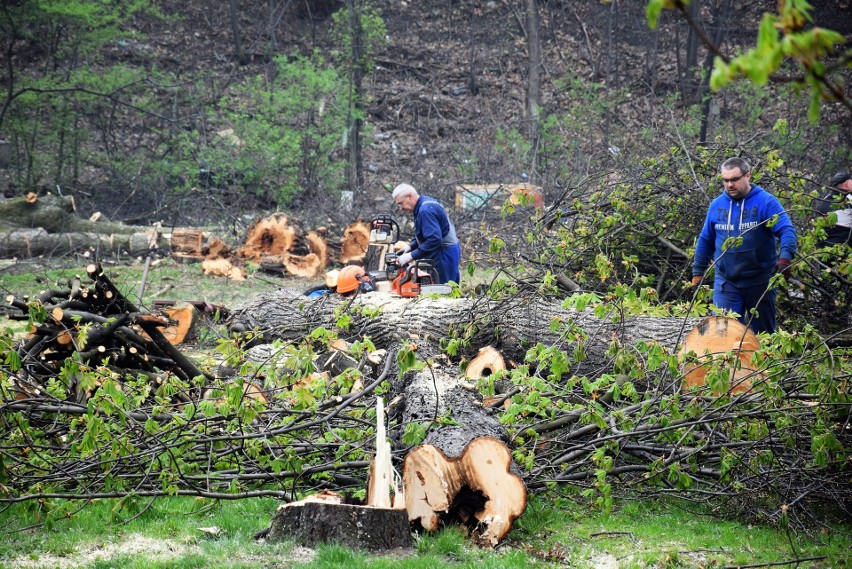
753,262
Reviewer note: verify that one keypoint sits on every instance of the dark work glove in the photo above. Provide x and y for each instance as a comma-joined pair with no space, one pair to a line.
783,267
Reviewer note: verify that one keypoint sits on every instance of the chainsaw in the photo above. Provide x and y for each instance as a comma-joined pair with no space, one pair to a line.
419,277
383,229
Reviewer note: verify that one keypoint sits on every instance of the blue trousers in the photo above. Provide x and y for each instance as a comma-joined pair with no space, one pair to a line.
447,264
743,299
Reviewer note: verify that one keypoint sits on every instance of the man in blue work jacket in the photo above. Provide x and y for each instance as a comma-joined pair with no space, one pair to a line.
747,211
434,234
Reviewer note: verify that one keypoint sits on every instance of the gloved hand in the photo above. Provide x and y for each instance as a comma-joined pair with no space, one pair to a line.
783,267
404,248
696,282
404,259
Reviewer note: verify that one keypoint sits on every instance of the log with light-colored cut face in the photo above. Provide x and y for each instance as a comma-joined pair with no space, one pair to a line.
476,487
487,362
355,242
185,320
713,338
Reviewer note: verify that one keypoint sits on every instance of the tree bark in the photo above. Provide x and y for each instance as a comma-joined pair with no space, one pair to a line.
327,520
533,81
511,325
233,12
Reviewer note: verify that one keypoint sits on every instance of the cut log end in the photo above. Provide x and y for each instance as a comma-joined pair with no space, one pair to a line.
475,488
713,338
487,362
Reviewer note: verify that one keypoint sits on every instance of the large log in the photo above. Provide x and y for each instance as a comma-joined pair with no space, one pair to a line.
47,225
33,242
510,325
55,214
279,244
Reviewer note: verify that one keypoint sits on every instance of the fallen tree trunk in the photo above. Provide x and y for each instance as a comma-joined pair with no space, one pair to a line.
47,225
510,325
35,242
55,214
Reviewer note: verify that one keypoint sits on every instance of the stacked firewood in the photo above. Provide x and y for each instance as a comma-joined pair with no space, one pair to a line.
97,325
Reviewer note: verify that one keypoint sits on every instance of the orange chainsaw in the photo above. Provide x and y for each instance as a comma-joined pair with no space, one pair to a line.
419,277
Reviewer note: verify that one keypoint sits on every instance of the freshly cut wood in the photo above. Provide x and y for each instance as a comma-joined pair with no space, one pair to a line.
186,319
487,362
715,338
187,240
324,518
280,246
318,243
217,249
383,490
223,268
307,266
476,488
331,278
355,242
273,235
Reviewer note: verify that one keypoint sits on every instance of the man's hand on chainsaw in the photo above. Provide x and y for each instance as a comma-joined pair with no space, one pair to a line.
404,259
401,247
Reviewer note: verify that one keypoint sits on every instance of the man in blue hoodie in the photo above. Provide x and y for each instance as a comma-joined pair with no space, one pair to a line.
434,234
748,212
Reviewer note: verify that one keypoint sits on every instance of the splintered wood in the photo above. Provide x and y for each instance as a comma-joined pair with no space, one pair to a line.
279,245
383,490
476,487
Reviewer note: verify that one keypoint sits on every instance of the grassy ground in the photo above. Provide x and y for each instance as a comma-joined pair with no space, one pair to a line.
184,533
166,280
188,533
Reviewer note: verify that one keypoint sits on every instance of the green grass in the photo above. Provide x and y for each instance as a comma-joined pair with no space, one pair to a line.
552,533
166,280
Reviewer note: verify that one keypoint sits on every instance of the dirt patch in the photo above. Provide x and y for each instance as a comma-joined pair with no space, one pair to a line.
139,546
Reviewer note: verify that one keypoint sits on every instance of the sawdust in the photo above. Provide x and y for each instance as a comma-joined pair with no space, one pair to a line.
138,546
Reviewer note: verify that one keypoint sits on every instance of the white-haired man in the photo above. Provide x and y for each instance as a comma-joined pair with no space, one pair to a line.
434,234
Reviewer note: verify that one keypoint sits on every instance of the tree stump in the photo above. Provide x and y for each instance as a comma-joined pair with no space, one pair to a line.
324,518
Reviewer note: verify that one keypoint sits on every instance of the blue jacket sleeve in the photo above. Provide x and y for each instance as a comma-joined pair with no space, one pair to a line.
783,230
705,247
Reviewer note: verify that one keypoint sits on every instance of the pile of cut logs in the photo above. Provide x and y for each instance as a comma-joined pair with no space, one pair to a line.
98,323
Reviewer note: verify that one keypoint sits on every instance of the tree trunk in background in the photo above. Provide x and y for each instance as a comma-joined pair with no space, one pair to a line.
608,76
710,110
354,168
233,11
688,78
533,82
